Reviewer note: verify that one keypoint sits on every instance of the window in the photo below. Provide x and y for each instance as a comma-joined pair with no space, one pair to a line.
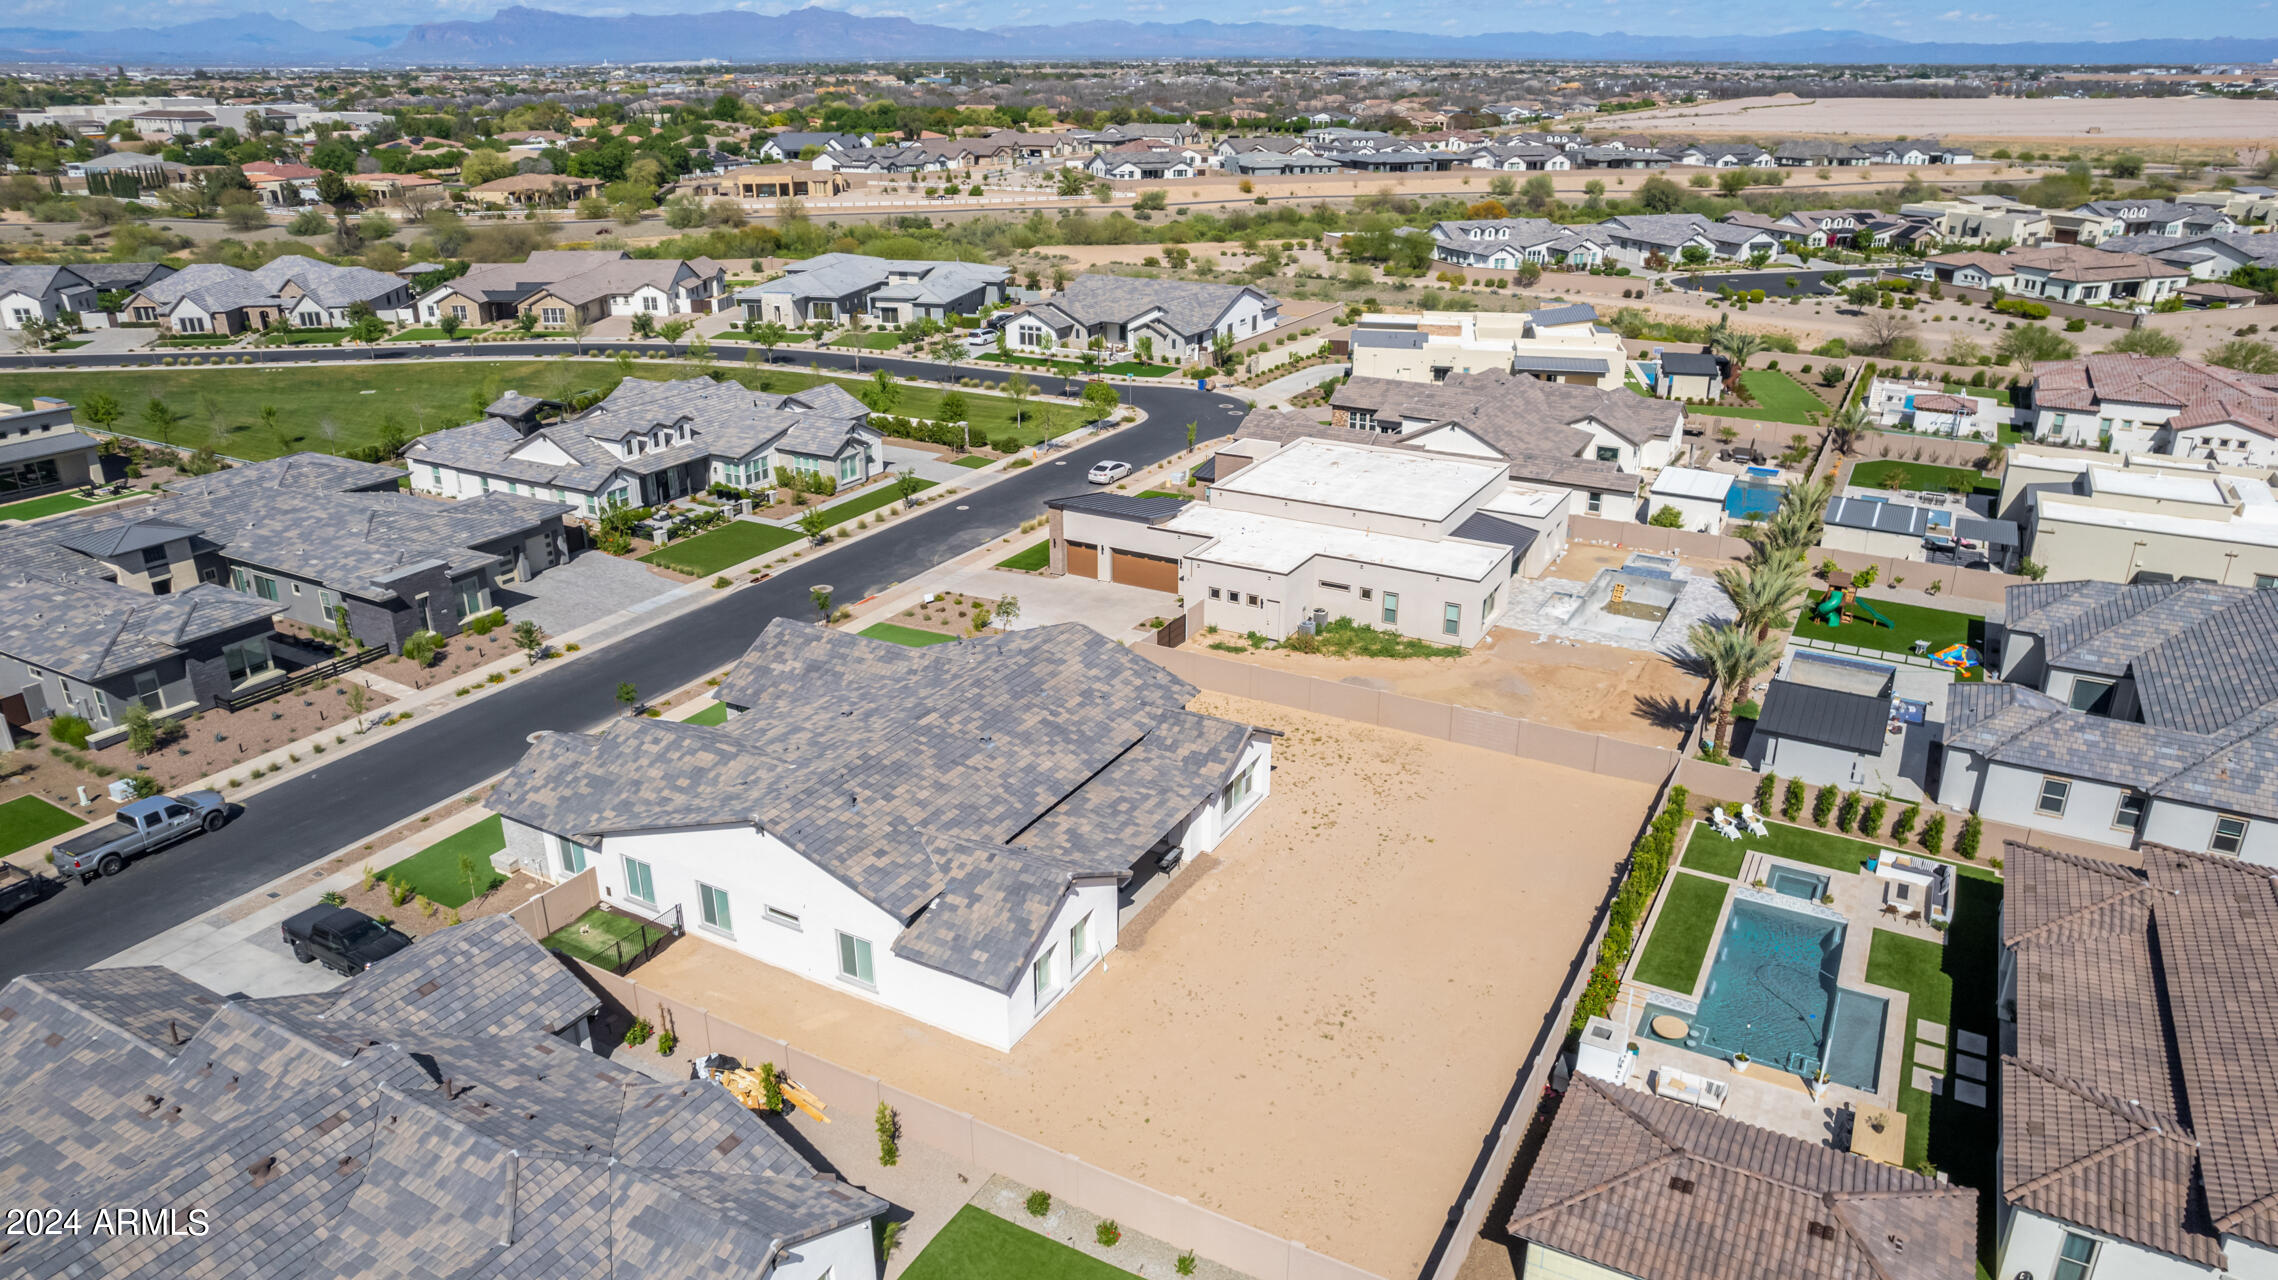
1451,621
146,690
2076,1259
712,904
850,466
777,915
1391,607
1041,976
154,557
1488,610
2054,792
1609,453
1361,419
2092,696
2129,816
253,584
2230,834
640,882
2265,581
854,960
1252,602
470,597
1596,503
1214,593
1235,792
553,317
1079,941
247,659
1335,586
575,857
1368,593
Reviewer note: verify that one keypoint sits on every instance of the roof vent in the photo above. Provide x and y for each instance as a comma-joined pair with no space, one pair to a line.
1819,1231
1684,1186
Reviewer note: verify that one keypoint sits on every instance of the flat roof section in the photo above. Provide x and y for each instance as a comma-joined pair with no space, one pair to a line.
2165,488
1416,485
1274,544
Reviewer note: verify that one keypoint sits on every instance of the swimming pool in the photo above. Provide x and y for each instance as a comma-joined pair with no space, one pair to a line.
1795,883
1751,498
1772,994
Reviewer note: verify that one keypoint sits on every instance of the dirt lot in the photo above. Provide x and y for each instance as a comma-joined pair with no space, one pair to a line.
1316,1033
2080,121
1622,693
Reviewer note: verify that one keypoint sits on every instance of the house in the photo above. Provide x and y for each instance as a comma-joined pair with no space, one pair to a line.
281,185
1807,153
41,451
2167,218
439,1114
211,297
534,190
1984,219
1637,238
887,159
1395,160
148,170
2158,404
2119,999
1510,416
2126,714
961,844
41,293
1689,375
649,443
1871,524
833,288
1696,496
1143,162
1502,244
1275,164
2139,521
1176,319
1633,1185
1314,530
1181,134
1519,157
1556,344
2061,273
2211,256
1926,408
1276,143
752,183
1725,155
795,145
164,124
580,283
169,604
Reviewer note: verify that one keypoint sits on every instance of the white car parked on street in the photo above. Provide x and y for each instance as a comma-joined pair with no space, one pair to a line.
1109,472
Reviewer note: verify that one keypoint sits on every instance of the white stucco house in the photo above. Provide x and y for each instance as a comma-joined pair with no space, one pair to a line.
1181,319
956,833
2158,404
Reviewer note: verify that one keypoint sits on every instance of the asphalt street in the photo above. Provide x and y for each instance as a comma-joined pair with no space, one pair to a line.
349,799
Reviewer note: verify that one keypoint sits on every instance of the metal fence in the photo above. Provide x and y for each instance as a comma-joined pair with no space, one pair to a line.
302,679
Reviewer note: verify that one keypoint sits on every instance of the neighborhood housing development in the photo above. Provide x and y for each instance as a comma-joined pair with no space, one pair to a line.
1297,668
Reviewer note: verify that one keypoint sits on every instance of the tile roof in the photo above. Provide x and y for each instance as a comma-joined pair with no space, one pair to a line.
1664,1191
2137,1102
347,1135
1189,306
2203,394
1544,465
91,629
959,788
1516,414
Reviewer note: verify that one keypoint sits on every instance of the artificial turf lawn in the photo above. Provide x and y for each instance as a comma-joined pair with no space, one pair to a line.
909,637
323,407
716,549
717,713
1135,369
1892,473
1779,398
602,938
1031,560
1681,933
1714,855
28,820
867,503
1941,627
978,1245
869,341
34,508
434,873
971,462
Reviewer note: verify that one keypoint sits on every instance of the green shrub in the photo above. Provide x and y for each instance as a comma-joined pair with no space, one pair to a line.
771,1086
1904,827
71,731
1791,804
1107,1232
1847,813
1871,818
1966,839
1934,833
1766,788
1185,1263
1649,863
1039,1203
667,1041
482,624
2022,307
1823,806
889,1128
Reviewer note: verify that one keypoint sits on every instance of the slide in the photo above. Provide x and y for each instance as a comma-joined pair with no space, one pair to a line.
1829,612
1861,606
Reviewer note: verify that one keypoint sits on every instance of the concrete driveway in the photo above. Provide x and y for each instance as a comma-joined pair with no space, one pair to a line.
587,589
1110,608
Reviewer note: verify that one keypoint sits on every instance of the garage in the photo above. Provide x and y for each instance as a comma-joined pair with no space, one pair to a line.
1083,560
1138,569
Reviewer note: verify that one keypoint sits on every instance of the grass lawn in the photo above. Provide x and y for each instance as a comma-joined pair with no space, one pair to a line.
1714,855
28,820
1682,933
435,335
1069,367
52,504
1952,984
883,495
979,1245
1159,493
869,341
970,463
1890,473
908,637
207,340
601,937
717,713
304,337
714,550
1135,369
1941,627
435,873
1779,398
1344,638
1031,560
324,407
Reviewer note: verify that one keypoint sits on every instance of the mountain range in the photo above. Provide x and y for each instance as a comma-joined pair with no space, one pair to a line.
527,36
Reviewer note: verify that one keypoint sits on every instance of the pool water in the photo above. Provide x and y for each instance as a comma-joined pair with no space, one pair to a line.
1792,883
1772,994
1751,498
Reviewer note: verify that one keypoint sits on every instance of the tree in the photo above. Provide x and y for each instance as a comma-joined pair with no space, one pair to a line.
644,325
2147,342
1101,398
814,524
102,409
1847,428
1694,255
2245,355
2128,167
1734,659
367,328
1739,344
1538,192
769,334
1887,333
1072,182
820,597
449,325
1667,517
1659,195
1796,524
529,637
954,410
907,486
1765,597
1019,389
2031,344
1007,608
629,695
882,394
1503,186
160,420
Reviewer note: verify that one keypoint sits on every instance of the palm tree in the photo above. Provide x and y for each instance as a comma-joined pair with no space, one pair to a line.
1765,598
1741,346
1845,429
1734,659
1798,523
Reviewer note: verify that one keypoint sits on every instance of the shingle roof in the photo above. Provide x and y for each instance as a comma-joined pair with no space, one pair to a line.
1284,426
347,1135
1189,306
960,787
2137,1102
1664,1191
1513,413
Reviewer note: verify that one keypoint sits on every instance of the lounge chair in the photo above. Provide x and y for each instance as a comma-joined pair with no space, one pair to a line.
1752,819
1724,826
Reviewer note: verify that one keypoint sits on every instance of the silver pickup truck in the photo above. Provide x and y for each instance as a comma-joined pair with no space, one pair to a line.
140,828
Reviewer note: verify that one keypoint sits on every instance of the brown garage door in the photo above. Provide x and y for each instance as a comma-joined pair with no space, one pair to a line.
1139,570
1083,560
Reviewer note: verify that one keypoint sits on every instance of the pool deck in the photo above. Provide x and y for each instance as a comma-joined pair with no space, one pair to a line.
1762,1095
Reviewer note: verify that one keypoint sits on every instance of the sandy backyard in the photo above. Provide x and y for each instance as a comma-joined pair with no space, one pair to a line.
1311,1030
2025,119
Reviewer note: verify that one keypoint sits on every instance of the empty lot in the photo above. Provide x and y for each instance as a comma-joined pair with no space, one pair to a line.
2108,120
1314,1032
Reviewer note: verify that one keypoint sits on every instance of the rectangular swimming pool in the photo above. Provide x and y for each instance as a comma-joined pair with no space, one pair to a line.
1772,994
1793,882
1751,498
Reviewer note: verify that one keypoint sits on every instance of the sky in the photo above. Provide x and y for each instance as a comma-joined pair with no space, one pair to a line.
1981,21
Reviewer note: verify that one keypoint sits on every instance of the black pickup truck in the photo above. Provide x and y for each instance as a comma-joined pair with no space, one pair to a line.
348,941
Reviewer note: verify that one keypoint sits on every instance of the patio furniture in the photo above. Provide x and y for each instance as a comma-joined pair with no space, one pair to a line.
1678,1086
1753,820
1724,826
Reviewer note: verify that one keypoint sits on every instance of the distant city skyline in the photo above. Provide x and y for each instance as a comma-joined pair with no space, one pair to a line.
1981,22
